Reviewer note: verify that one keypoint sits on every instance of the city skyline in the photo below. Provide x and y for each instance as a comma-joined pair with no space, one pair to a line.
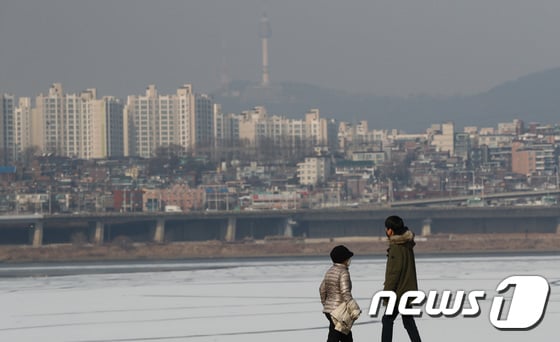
186,137
381,48
85,126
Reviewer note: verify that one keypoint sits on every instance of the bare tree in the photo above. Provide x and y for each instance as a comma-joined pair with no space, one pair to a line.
28,154
166,159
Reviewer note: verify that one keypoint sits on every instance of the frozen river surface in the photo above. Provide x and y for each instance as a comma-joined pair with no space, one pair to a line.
247,300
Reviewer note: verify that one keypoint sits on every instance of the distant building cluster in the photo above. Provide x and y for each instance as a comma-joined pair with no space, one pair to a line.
86,127
66,152
182,151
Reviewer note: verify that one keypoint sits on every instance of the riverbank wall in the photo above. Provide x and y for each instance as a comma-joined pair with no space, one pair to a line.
278,246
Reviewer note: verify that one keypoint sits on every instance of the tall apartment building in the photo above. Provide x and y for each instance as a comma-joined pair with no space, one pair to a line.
78,125
15,128
226,127
153,120
248,121
273,129
65,120
495,140
523,160
7,139
314,170
444,138
332,135
462,145
107,128
316,128
353,134
516,127
204,121
23,127
184,117
533,158
256,126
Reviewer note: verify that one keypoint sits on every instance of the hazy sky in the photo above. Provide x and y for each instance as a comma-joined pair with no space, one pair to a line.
384,47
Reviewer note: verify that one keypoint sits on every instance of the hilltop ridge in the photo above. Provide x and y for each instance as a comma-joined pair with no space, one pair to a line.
532,97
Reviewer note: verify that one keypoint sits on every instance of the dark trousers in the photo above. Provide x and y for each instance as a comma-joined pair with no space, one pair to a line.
336,336
409,325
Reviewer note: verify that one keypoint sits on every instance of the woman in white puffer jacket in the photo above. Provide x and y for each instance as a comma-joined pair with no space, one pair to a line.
336,290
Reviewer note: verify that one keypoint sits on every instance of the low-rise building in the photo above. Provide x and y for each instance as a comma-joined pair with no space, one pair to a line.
314,170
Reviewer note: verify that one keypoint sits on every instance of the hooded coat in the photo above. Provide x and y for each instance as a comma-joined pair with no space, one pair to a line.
400,273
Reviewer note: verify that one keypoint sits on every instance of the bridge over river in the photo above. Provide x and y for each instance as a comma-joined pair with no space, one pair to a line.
160,227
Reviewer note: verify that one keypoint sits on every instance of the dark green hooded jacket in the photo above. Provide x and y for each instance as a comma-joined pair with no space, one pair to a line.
400,273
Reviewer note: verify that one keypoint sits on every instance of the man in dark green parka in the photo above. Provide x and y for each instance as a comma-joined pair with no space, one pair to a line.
400,274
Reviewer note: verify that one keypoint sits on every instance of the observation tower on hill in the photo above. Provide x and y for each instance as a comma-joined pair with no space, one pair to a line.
264,33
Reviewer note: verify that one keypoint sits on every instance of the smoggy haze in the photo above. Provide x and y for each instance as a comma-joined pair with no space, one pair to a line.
384,47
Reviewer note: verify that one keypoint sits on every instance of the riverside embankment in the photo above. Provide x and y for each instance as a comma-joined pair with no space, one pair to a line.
126,250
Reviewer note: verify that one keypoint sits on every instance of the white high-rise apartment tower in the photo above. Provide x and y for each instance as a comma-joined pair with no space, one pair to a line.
78,125
150,122
23,126
154,120
66,121
256,125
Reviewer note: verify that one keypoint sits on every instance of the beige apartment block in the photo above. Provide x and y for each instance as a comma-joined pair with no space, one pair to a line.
256,125
313,170
77,125
444,138
153,120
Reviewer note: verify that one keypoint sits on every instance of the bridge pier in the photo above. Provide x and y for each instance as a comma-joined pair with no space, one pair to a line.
231,229
38,234
99,233
427,227
288,231
159,233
